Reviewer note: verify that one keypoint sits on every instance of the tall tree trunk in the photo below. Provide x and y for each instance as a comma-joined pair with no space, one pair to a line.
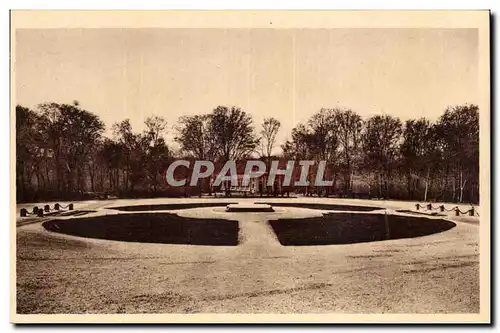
47,175
20,187
462,185
427,183
352,180
38,182
454,189
444,186
91,175
409,185
118,179
380,193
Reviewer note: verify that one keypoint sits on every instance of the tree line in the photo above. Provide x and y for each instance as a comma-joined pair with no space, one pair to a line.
63,154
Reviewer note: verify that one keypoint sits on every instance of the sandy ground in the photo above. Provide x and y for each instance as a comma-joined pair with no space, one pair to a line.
59,273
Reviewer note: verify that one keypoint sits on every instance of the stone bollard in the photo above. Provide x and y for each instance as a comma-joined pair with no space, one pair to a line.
417,206
471,211
429,206
35,210
39,213
457,211
46,208
57,206
24,212
70,206
441,208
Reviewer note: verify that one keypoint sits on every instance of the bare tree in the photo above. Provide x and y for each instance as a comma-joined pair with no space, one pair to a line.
317,140
155,128
414,148
70,132
349,125
157,153
196,138
133,147
458,128
380,147
299,147
269,131
233,133
324,138
30,151
60,150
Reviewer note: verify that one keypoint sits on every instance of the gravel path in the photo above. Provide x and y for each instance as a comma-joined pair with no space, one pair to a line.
58,273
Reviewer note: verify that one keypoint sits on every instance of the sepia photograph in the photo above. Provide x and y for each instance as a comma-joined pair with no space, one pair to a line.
237,166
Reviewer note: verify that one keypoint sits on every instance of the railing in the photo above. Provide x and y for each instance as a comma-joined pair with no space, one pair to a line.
442,208
39,212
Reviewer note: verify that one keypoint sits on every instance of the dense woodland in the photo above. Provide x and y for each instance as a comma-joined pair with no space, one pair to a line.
63,154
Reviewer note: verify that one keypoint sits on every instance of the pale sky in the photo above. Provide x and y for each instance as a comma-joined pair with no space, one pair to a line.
285,73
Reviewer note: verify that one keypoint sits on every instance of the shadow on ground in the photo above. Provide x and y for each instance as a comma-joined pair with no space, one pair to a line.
319,206
150,228
348,228
174,206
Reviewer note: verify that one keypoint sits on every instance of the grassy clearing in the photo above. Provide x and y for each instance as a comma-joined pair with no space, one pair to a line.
348,228
150,228
173,206
320,206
